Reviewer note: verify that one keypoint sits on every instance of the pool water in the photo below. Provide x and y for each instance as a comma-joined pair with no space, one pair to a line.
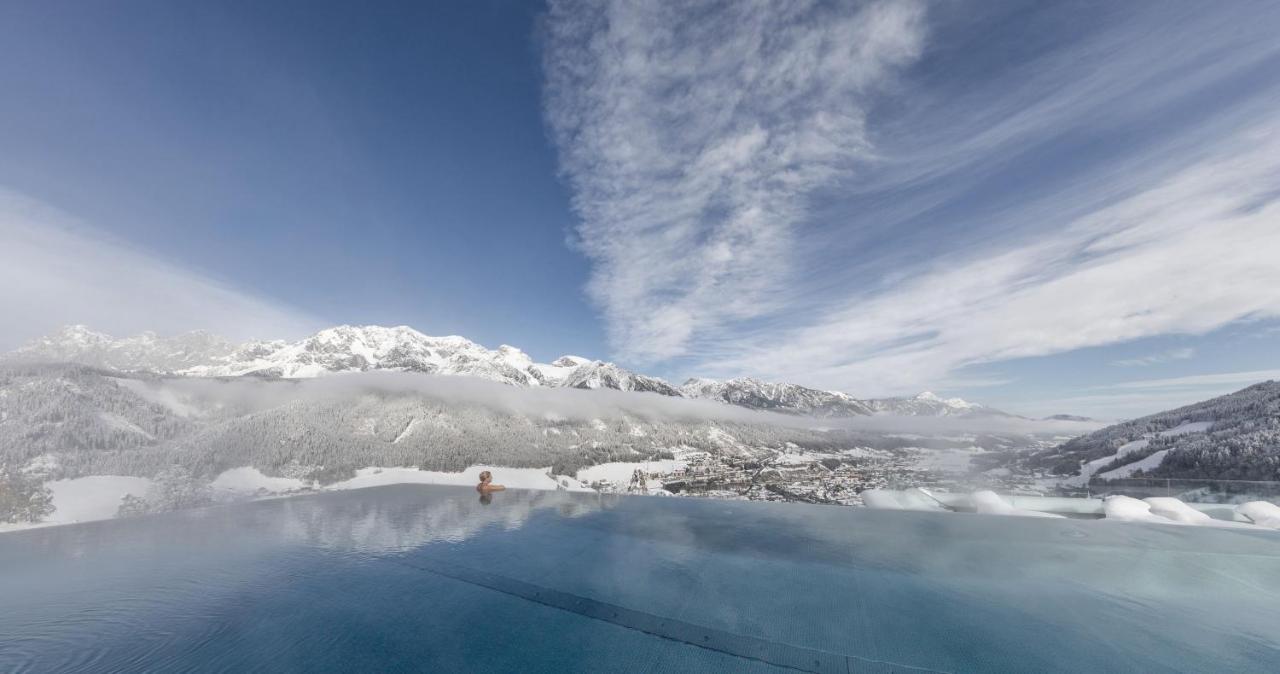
426,578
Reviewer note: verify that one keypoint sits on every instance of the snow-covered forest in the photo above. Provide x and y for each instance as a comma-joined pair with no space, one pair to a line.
1231,437
77,421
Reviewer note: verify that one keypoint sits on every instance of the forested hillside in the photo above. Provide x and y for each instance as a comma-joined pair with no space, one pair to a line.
74,420
1235,436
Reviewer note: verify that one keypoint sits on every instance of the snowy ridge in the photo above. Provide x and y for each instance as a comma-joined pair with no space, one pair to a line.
755,394
79,344
348,348
344,348
928,404
598,374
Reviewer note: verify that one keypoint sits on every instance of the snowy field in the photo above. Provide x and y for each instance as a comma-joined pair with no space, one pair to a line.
514,478
87,499
620,472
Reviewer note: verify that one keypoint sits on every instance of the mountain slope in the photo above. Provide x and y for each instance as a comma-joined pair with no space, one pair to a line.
347,348
78,421
597,374
928,404
790,398
340,349
145,352
1235,436
76,410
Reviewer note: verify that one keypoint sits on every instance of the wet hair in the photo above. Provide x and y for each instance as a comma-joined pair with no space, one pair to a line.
484,474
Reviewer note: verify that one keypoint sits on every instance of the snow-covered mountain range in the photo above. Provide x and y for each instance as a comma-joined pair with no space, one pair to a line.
928,404
755,394
349,348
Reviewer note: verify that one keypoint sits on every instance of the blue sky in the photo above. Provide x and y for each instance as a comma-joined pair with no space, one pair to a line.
1049,207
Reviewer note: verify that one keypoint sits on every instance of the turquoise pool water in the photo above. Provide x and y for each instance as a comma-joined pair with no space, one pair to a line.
417,578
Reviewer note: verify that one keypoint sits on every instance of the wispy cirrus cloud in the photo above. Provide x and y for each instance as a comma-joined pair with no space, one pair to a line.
1166,356
987,220
692,135
1202,380
1188,255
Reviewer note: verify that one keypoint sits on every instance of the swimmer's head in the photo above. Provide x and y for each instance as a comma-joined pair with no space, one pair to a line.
485,476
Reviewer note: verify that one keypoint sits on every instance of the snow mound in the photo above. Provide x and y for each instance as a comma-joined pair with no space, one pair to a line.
1174,509
1261,513
1128,509
990,503
919,499
880,499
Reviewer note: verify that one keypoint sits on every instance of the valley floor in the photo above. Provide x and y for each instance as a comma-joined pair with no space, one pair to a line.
836,478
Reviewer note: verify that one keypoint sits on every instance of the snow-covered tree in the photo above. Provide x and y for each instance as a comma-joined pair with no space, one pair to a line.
23,498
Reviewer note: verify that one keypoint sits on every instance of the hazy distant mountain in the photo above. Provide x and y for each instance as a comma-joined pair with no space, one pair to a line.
344,348
145,352
755,394
1235,436
1066,417
349,348
929,405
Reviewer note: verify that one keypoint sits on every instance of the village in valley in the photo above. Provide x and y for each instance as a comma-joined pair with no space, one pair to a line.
808,477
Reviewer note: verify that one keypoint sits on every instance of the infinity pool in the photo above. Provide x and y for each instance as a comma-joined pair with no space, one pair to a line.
408,578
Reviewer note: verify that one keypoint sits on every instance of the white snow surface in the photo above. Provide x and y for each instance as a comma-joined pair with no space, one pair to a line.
120,423
1155,510
919,499
880,499
1173,509
910,499
1188,427
620,472
1261,513
86,499
990,503
1127,509
340,349
249,480
514,478
1128,469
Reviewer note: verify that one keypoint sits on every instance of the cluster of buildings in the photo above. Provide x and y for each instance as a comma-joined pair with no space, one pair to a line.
836,479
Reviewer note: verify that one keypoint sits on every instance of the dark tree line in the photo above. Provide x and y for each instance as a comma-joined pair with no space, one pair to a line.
1243,442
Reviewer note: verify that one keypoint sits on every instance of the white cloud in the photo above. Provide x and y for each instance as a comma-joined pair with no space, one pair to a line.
692,136
693,139
1187,255
1202,380
1157,358
1140,398
54,272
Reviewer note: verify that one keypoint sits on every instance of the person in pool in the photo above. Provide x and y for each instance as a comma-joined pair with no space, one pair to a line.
486,485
